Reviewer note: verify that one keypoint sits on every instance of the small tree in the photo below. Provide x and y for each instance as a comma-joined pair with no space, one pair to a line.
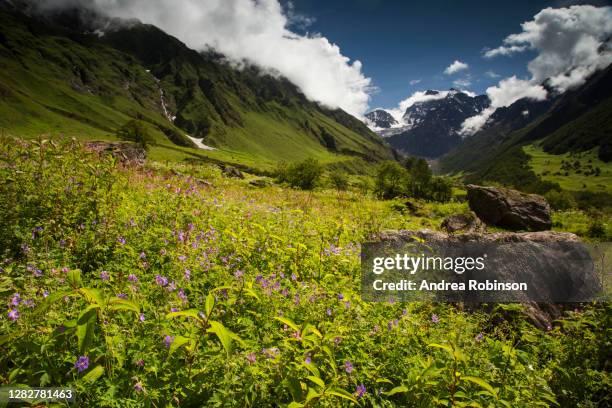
339,181
303,175
135,131
390,180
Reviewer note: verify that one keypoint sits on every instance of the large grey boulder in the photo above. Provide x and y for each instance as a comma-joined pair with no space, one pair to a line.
504,207
547,259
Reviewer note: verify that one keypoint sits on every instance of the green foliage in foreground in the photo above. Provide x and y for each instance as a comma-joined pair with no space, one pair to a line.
139,287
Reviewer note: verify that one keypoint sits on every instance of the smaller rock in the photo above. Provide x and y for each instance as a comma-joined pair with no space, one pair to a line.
463,222
126,152
232,172
260,183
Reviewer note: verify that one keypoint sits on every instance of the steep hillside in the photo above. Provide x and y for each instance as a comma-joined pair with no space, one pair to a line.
81,76
577,121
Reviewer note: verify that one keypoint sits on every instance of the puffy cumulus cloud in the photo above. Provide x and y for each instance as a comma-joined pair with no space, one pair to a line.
257,31
507,92
455,67
571,44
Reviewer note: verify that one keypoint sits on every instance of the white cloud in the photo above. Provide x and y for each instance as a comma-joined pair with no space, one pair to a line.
491,74
455,67
505,50
572,43
415,81
419,96
462,82
257,31
508,91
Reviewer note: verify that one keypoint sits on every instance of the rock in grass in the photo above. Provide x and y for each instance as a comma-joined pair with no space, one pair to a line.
125,152
231,172
463,222
510,209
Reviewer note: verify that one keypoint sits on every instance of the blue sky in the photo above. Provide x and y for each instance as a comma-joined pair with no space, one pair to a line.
402,41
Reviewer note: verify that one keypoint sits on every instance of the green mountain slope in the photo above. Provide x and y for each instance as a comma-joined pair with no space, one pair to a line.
57,76
577,123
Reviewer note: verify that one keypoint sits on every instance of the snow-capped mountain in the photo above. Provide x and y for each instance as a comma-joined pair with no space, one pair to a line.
381,119
430,127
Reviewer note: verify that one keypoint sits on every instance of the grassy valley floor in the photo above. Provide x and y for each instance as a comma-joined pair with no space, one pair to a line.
169,285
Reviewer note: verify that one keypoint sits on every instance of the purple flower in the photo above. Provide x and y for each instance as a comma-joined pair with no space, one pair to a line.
45,293
29,303
293,277
307,360
182,295
187,274
143,255
132,277
140,363
479,337
104,275
161,280
340,296
142,317
337,340
360,391
82,363
548,327
173,309
168,340
238,274
121,240
328,312
435,318
348,367
182,258
121,295
251,358
13,314
16,299
171,287
138,387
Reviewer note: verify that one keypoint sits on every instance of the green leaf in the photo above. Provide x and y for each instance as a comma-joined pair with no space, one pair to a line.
480,382
288,323
442,346
85,327
397,390
178,342
342,394
223,334
316,380
123,304
210,304
74,278
92,295
93,374
193,313
251,293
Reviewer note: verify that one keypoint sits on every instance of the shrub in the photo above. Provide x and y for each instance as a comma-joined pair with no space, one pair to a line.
303,175
390,180
135,131
560,200
339,181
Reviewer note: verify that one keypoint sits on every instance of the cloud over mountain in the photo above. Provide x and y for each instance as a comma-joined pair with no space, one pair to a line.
253,30
572,43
